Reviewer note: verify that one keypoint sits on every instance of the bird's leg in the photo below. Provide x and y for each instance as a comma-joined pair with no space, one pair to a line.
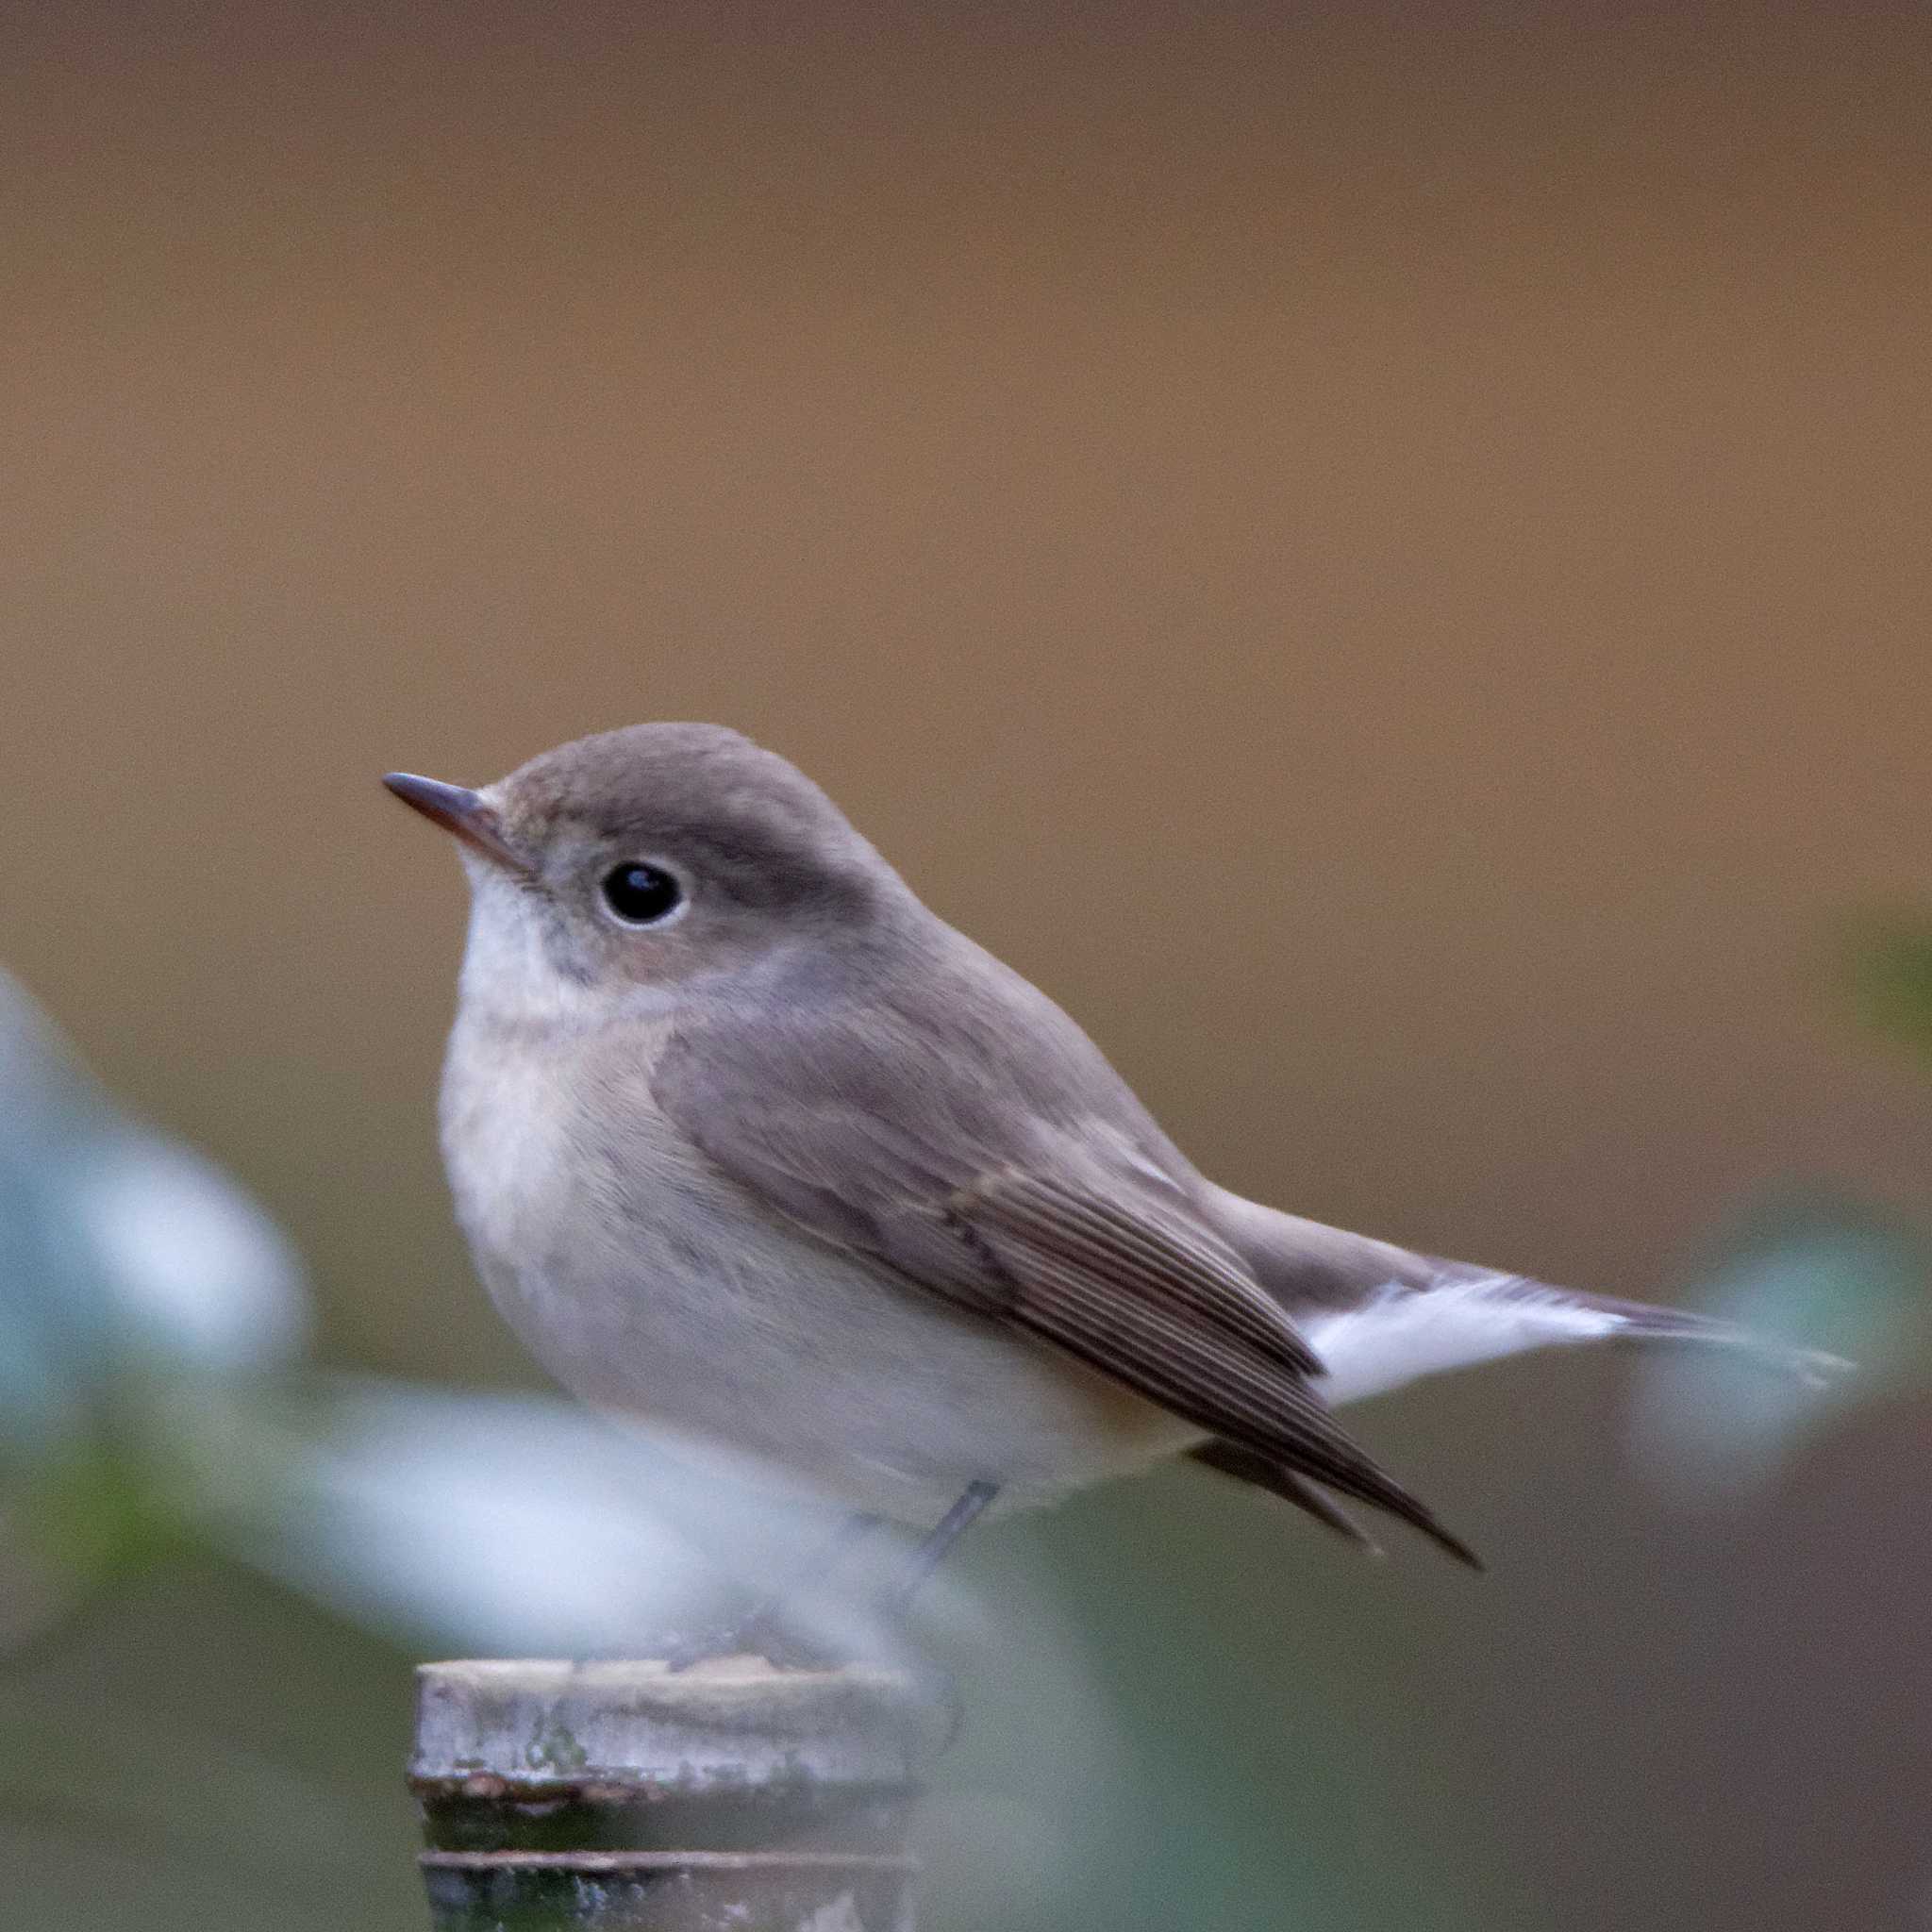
763,1629
932,1551
766,1631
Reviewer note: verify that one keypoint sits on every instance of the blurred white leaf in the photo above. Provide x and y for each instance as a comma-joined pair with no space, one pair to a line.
196,1269
44,1085
1707,1423
500,1522
119,1251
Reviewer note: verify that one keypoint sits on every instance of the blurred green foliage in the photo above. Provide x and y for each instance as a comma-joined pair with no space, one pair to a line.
1890,958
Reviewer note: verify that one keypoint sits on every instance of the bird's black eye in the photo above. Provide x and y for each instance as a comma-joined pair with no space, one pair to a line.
642,894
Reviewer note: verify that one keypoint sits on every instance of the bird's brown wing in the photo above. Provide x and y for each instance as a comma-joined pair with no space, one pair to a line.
1068,1230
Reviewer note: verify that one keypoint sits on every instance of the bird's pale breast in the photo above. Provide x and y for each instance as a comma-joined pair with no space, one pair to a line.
649,1282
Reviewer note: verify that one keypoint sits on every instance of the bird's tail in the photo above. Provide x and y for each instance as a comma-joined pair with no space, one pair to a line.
1468,1315
1457,1315
1642,1321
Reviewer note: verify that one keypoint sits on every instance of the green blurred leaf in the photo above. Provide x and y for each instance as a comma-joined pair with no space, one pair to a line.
98,1514
1891,972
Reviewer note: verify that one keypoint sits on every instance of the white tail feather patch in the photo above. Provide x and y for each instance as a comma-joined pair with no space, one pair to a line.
1403,1334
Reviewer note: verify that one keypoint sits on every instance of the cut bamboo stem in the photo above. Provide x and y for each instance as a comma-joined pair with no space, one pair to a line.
627,1797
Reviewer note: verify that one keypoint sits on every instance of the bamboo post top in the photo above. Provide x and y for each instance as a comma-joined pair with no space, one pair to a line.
627,1795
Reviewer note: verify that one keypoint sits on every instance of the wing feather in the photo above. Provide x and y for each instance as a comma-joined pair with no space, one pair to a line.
1245,1466
1140,1251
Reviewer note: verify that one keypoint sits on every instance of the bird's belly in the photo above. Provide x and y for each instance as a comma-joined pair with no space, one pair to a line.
825,1374
657,1288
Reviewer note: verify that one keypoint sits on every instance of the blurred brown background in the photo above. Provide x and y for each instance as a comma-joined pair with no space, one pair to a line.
1379,554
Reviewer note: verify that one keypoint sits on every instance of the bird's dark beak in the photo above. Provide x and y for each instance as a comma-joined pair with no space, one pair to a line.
461,811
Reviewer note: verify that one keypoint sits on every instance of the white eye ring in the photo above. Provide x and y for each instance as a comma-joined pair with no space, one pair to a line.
639,895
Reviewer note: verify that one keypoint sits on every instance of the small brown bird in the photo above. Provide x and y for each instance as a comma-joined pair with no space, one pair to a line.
749,1143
